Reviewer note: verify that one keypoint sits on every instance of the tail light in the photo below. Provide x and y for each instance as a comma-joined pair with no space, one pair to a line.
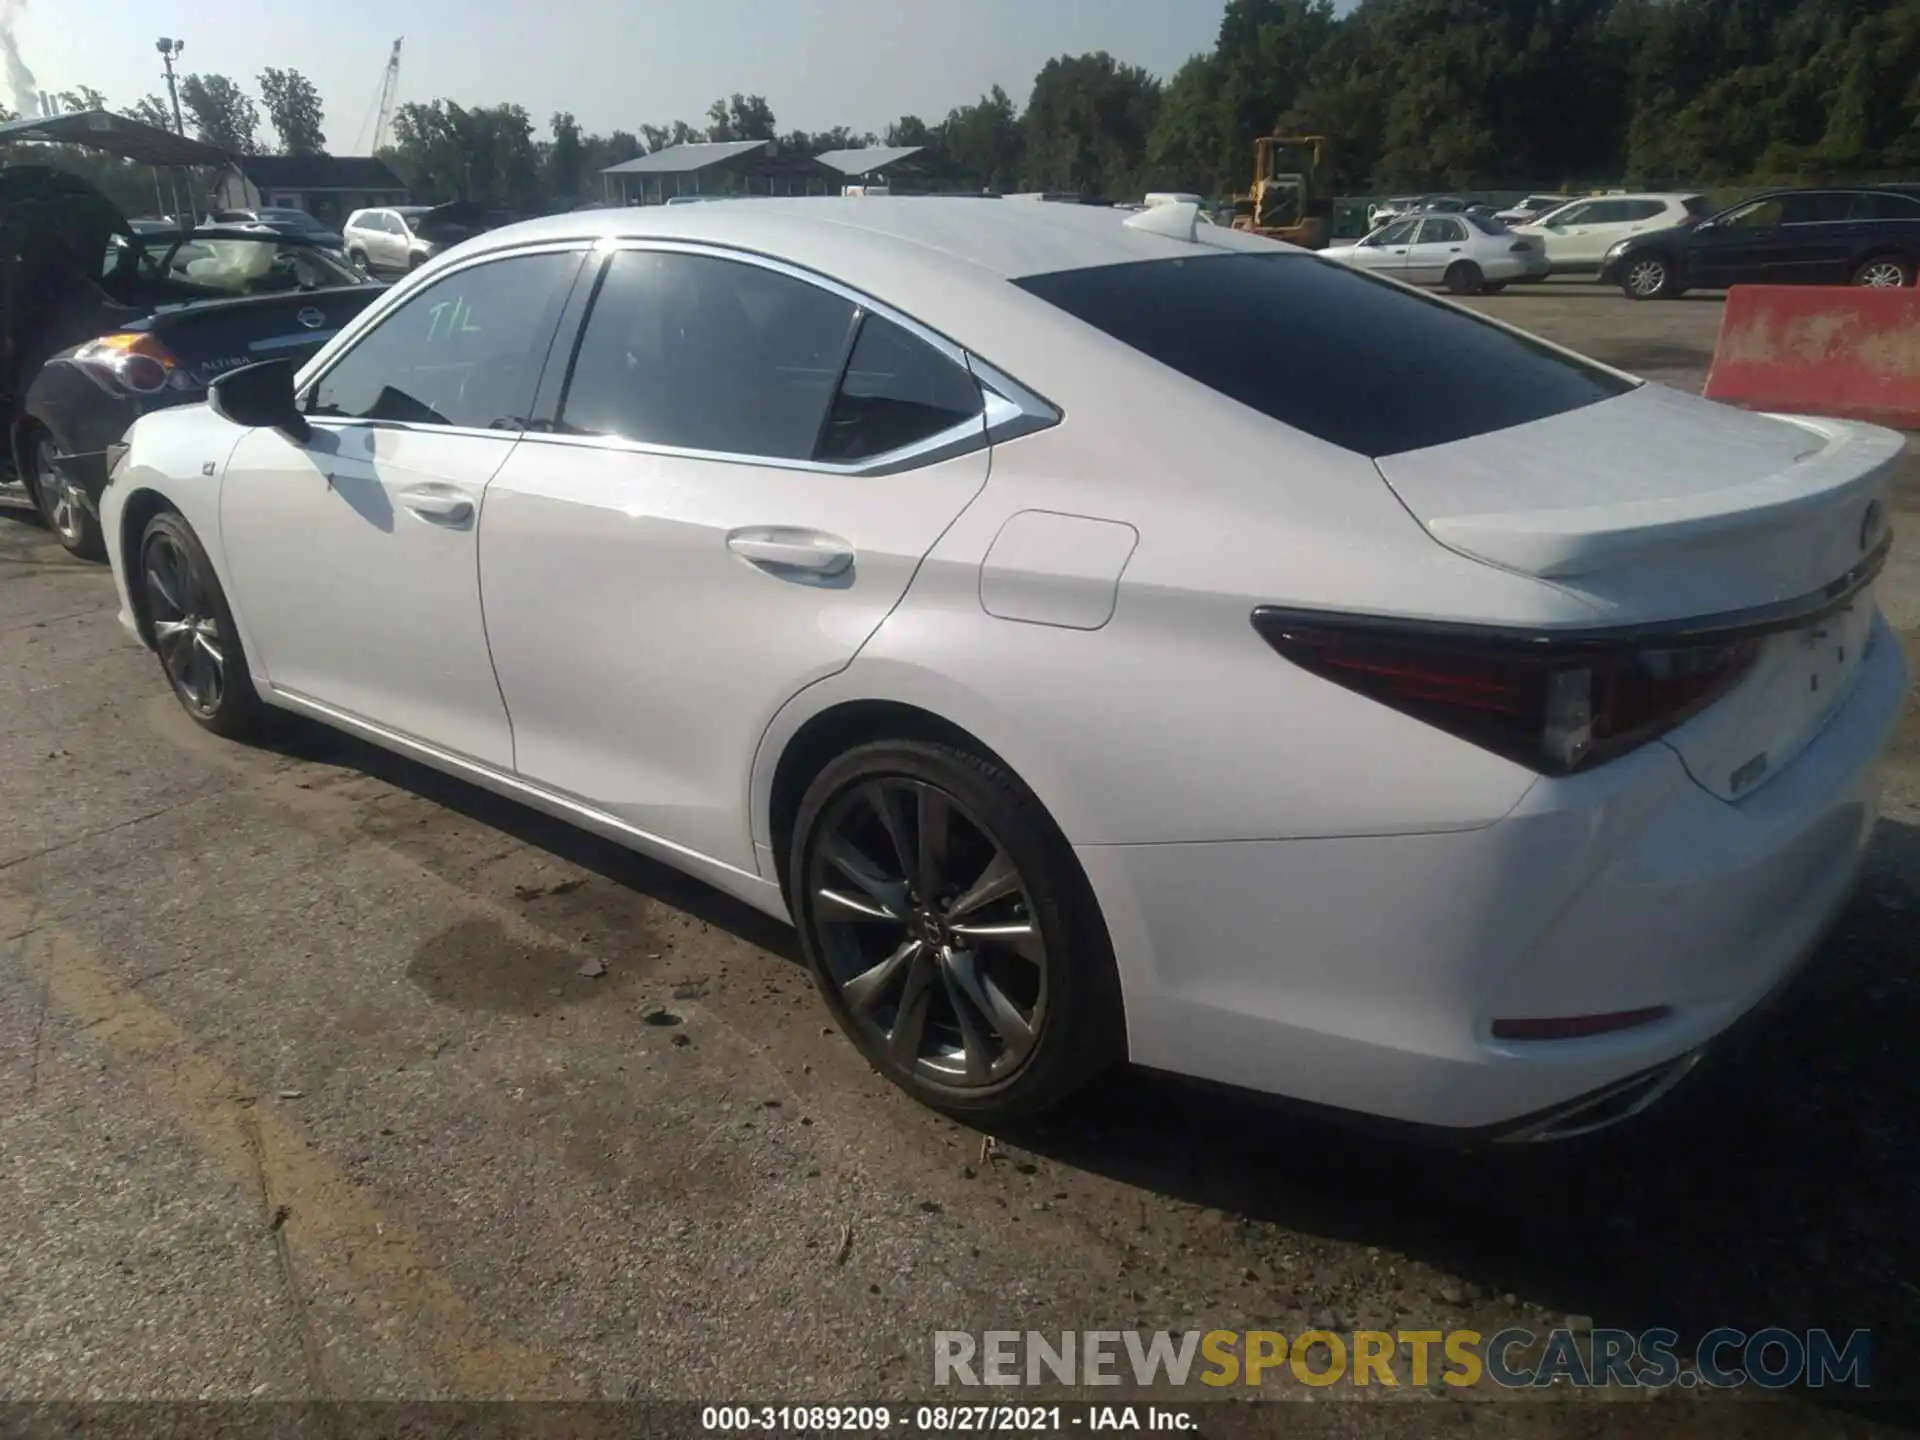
1521,247
1554,705
132,362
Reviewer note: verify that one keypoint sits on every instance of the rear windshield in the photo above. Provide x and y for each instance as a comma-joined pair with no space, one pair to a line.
1367,365
1487,224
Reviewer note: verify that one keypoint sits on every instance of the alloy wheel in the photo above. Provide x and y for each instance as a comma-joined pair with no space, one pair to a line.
59,500
185,629
1647,278
1883,275
928,933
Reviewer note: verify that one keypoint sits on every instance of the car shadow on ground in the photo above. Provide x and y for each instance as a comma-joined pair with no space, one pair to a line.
301,739
1777,1187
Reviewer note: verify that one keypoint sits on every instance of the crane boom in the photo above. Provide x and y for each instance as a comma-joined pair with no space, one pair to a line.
389,88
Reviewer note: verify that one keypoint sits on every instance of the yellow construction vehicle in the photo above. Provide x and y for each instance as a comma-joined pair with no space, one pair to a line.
1288,201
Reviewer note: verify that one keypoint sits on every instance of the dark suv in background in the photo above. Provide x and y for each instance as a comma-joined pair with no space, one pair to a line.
1854,236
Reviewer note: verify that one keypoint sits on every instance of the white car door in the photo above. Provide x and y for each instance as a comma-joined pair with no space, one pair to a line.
354,556
397,240
1637,216
1564,234
1442,240
1385,251
710,527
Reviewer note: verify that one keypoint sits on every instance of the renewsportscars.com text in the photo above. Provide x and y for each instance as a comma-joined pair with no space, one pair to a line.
1771,1359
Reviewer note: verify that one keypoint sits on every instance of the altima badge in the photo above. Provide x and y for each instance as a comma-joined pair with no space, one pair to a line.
311,318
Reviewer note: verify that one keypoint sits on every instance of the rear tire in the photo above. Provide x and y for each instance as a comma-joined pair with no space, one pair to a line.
1884,272
1648,277
1465,278
193,630
359,257
61,505
1493,287
951,932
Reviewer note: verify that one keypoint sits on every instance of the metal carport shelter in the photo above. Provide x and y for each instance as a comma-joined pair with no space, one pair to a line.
868,162
714,167
120,135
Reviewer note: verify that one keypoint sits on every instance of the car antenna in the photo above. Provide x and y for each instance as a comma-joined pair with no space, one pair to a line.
1177,220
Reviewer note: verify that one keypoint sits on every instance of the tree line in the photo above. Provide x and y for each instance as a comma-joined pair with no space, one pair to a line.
1410,93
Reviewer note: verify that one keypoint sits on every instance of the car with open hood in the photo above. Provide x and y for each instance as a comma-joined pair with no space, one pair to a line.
101,322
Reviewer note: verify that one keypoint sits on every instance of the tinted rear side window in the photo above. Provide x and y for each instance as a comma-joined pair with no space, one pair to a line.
897,391
1356,361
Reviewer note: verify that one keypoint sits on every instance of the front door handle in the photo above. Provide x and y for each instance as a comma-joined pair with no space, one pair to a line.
782,547
441,507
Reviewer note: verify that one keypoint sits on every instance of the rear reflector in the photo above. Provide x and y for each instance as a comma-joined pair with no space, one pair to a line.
1556,704
1578,1027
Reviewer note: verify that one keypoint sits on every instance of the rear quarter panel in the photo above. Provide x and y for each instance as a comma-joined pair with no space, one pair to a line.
1174,721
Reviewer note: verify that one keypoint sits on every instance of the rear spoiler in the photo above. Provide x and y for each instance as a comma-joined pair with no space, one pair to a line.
1556,544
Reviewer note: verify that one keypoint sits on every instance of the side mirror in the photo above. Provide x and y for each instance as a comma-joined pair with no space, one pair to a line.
260,396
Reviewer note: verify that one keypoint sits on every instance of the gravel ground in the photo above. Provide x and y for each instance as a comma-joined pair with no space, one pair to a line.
305,1094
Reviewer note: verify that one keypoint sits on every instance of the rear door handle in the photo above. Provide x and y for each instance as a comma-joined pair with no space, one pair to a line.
440,507
782,547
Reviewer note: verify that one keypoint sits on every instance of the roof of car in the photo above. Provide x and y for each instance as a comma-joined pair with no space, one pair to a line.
1005,239
945,261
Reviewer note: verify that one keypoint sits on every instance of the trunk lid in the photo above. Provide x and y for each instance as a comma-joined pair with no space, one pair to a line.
210,337
1657,506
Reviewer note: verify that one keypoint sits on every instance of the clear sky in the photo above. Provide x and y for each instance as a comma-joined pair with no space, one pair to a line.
614,63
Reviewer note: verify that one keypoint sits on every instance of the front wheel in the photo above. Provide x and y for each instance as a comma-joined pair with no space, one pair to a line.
1648,277
1884,272
61,502
1464,278
193,630
951,932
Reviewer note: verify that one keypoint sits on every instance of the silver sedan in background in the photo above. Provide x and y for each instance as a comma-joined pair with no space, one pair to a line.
1468,254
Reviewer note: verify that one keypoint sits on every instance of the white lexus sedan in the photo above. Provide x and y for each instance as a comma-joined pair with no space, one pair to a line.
1467,254
1082,686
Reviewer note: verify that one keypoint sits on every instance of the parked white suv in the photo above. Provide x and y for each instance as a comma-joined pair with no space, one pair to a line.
400,237
1578,235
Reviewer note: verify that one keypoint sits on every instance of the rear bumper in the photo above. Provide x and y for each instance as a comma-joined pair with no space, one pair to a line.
1519,267
1365,973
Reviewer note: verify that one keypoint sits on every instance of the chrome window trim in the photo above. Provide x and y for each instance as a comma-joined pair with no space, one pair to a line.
355,331
1009,409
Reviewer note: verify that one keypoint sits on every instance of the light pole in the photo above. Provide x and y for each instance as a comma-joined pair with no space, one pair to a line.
168,50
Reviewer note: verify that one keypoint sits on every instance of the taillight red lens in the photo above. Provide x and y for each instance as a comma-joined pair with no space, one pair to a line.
1556,706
